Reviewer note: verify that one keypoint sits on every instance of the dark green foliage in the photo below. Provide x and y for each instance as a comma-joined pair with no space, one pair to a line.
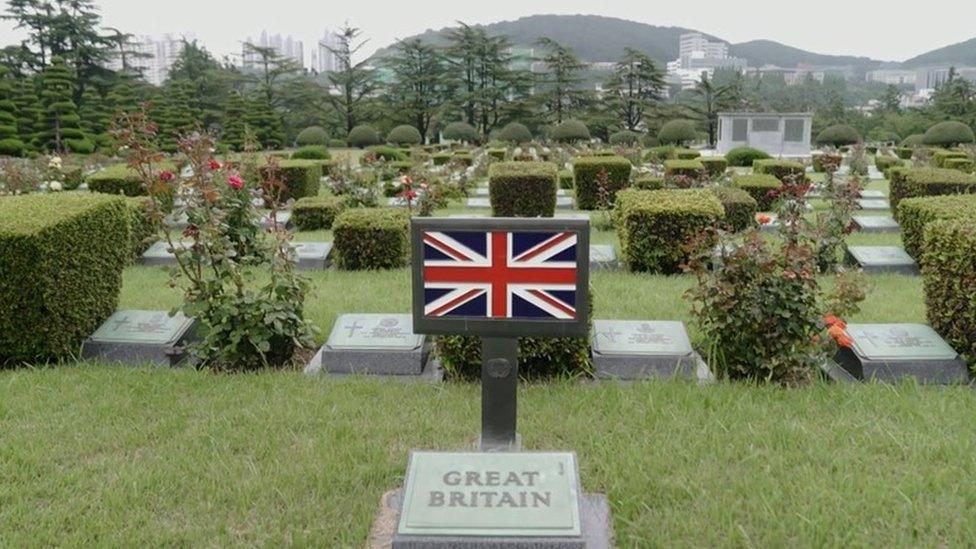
715,166
885,163
10,142
625,138
745,157
338,144
301,178
143,229
464,158
312,135
759,187
905,153
497,154
566,179
363,136
740,207
965,165
915,182
657,155
461,131
949,134
443,158
235,112
648,183
389,154
60,128
839,135
780,169
371,238
312,152
122,98
685,154
913,141
677,132
29,112
95,117
316,213
818,161
940,157
570,131
522,189
586,171
61,261
175,116
262,119
692,169
404,135
654,226
515,133
915,214
948,264
117,179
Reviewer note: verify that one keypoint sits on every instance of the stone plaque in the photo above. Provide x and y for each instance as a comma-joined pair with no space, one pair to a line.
873,204
485,191
283,218
510,495
873,194
139,337
876,224
376,344
159,254
882,259
565,202
889,352
772,226
312,255
603,257
479,202
644,349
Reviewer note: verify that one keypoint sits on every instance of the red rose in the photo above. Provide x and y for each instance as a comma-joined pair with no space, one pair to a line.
214,165
166,176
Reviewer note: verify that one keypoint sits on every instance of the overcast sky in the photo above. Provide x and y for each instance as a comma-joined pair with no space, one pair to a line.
887,30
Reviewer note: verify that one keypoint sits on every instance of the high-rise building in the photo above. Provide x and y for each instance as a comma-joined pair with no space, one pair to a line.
153,56
285,46
695,45
698,56
326,60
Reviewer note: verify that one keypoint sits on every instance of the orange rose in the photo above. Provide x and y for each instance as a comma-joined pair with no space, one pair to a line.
830,320
836,332
845,341
763,219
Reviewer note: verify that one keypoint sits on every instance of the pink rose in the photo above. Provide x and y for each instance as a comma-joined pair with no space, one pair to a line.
166,176
235,182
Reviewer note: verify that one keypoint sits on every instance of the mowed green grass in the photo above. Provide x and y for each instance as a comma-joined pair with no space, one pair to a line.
111,456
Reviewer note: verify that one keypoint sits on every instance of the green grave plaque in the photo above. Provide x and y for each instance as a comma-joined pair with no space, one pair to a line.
649,338
142,327
526,494
899,342
374,332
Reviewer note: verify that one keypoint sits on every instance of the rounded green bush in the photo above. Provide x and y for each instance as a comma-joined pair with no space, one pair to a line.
677,132
461,131
743,157
839,135
949,134
570,131
312,135
404,135
363,136
625,138
914,140
515,132
312,152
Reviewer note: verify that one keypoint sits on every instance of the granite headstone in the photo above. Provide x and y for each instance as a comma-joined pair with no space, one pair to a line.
892,352
881,259
139,337
644,349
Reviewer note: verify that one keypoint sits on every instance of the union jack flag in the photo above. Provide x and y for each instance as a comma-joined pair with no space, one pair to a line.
500,274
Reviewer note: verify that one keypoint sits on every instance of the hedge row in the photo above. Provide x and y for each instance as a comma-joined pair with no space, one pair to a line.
780,169
917,213
948,264
693,169
740,207
744,157
915,182
117,179
301,178
715,166
759,187
522,189
655,225
313,213
585,172
61,261
371,238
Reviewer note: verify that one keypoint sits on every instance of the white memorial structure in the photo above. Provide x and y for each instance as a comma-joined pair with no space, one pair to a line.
779,134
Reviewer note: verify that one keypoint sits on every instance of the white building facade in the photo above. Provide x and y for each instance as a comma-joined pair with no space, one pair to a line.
777,134
154,56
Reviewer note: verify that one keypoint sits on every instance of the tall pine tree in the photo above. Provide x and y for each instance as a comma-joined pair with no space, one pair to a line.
174,115
264,122
10,143
235,111
61,126
28,112
95,116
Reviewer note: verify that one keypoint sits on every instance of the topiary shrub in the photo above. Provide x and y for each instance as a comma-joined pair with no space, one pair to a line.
913,141
497,154
143,230
818,161
404,135
312,152
915,182
657,155
388,154
677,132
461,131
338,144
522,189
363,136
948,134
312,135
566,179
759,187
885,163
625,138
948,264
740,208
745,157
685,154
300,178
61,261
780,169
939,158
654,226
371,238
648,182
515,133
839,135
715,166
442,158
314,213
117,179
570,131
964,165
905,153
586,170
915,214
692,170
464,158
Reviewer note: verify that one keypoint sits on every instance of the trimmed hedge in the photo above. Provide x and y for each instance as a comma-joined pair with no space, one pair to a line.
905,153
388,154
497,154
740,207
117,179
715,166
61,261
818,161
915,182
745,157
655,225
371,238
941,157
964,165
442,158
314,213
404,135
685,154
948,265
648,182
949,134
566,179
143,230
684,168
522,189
780,169
570,131
464,158
585,171
657,155
312,152
758,186
885,163
915,214
312,135
625,138
301,178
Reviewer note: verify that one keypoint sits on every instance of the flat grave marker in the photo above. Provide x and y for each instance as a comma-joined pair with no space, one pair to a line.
485,191
139,337
881,259
874,204
872,194
892,352
628,349
313,255
876,224
159,254
373,344
479,202
603,257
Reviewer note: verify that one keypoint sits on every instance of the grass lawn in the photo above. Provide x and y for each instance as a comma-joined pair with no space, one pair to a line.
103,455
